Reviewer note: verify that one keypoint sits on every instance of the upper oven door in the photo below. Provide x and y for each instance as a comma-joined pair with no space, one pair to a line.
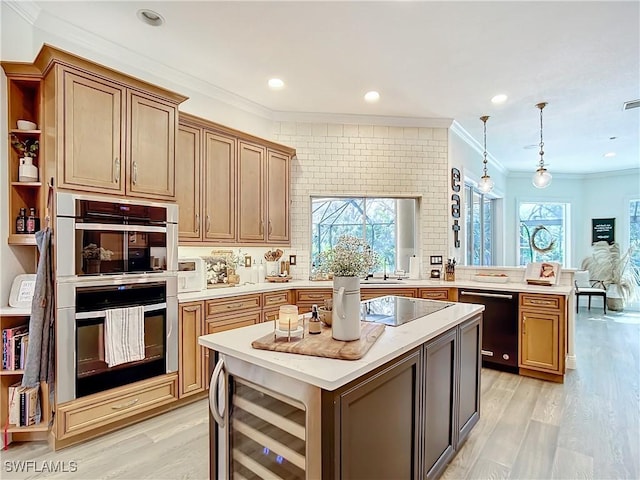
100,235
102,248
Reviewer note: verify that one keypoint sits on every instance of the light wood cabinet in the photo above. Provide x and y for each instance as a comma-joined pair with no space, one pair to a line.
542,332
188,181
304,299
277,172
102,411
243,197
92,132
450,294
151,142
24,102
191,355
251,208
108,132
271,303
219,172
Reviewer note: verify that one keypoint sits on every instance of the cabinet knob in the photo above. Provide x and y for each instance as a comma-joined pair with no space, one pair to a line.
135,172
208,225
270,228
197,223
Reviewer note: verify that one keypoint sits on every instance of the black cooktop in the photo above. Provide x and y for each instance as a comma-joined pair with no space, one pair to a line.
394,311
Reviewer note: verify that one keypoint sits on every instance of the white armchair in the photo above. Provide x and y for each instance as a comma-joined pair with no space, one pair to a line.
586,286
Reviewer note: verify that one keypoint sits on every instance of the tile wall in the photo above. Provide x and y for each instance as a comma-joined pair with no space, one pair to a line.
339,159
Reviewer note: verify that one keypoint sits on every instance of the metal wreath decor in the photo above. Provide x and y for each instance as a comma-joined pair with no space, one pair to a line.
542,250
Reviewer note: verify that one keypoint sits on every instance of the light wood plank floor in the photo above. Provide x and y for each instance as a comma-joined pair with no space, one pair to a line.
587,428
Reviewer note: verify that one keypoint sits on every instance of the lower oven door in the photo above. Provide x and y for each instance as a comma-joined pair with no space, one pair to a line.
94,375
80,334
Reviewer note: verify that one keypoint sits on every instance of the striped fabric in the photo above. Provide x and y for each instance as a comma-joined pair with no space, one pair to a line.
124,335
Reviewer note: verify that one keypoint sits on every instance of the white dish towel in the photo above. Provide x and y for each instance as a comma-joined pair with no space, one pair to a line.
123,335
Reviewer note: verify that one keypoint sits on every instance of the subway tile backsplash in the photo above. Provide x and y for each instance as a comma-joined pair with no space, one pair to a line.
368,160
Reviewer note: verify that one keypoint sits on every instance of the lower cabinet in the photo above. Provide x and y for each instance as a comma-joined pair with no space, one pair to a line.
359,441
369,293
102,412
450,294
542,330
191,355
429,399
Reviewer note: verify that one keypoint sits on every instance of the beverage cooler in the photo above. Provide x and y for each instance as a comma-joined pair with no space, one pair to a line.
262,424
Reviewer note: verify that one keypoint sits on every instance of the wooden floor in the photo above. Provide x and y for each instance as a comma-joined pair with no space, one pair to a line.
588,427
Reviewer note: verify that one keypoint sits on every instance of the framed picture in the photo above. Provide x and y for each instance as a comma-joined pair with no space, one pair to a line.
22,290
603,229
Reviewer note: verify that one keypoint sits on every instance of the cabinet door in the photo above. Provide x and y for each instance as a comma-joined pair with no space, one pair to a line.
191,355
277,197
540,339
375,445
92,134
251,227
188,182
439,403
152,145
469,391
434,293
219,187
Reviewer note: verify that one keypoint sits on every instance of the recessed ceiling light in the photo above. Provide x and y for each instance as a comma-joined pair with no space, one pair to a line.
609,154
372,96
150,17
276,83
501,98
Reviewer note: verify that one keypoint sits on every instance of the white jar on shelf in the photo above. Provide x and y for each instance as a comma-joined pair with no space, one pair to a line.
27,171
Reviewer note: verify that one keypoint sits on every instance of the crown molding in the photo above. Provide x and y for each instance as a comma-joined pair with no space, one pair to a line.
26,9
463,135
578,176
353,119
120,58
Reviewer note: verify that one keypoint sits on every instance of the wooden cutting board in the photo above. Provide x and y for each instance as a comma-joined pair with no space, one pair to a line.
323,344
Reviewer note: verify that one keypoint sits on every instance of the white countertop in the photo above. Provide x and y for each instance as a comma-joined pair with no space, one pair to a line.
328,373
245,289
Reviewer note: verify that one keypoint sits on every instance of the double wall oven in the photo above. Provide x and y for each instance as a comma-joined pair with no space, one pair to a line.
113,254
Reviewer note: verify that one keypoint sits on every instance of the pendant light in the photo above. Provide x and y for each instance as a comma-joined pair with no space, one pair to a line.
486,184
542,178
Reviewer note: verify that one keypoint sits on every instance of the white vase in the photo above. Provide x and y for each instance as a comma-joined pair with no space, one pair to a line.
27,172
345,323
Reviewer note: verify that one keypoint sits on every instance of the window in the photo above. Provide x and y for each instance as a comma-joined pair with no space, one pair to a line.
543,232
387,224
634,231
480,214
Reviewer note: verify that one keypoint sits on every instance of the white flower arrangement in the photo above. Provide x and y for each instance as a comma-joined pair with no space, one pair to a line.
350,257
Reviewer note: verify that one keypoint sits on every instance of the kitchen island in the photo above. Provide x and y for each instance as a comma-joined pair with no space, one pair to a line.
401,411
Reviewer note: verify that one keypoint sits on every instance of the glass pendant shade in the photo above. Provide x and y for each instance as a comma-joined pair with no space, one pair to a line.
486,184
542,178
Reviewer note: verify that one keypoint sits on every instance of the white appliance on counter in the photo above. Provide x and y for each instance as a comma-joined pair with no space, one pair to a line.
191,275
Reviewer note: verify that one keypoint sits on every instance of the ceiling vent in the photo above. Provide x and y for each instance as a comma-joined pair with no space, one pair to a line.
631,104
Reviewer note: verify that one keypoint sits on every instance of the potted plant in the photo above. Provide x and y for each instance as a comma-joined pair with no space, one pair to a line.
27,149
614,269
350,259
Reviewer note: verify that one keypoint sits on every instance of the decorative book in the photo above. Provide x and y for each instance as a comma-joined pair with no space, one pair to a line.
542,273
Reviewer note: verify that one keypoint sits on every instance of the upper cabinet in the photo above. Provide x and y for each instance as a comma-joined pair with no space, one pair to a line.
110,133
243,197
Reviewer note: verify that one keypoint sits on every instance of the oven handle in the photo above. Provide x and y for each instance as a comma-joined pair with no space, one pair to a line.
102,313
119,228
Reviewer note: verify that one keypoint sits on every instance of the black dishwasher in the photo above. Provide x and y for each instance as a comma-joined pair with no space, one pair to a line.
499,327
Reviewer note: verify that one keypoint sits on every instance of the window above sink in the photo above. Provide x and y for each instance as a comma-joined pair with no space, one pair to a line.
388,224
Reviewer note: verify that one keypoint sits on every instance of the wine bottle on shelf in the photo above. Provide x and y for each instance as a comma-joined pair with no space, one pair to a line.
21,221
31,221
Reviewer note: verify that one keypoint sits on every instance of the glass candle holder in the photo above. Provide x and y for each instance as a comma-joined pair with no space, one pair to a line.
288,318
